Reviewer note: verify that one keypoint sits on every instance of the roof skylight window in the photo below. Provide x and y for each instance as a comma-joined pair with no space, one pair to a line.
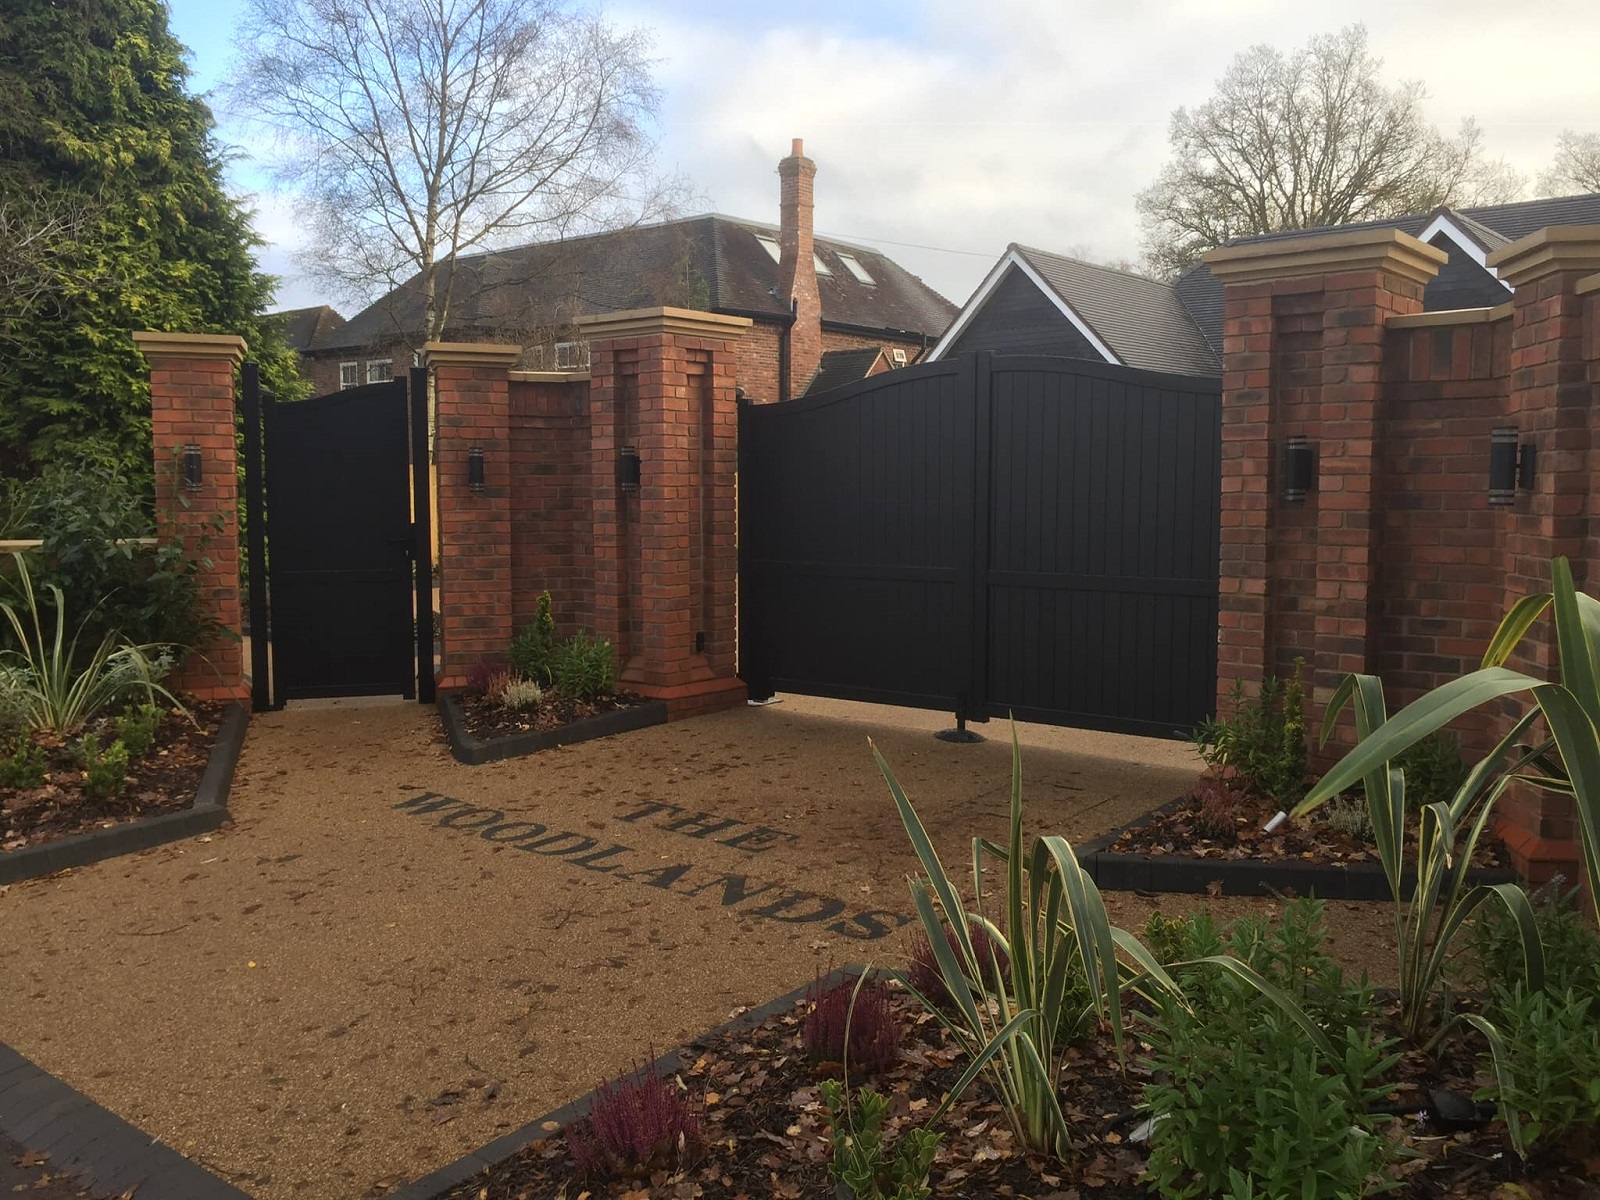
822,267
770,245
856,269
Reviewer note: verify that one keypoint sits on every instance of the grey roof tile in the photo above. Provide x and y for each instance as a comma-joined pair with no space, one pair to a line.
1140,319
708,261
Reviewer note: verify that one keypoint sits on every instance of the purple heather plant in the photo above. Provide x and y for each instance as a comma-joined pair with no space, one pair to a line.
875,1027
923,970
484,674
637,1124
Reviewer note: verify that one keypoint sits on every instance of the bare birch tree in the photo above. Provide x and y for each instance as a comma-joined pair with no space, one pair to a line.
1576,168
416,131
1303,140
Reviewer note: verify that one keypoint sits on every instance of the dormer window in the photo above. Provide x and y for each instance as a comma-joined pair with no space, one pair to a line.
855,268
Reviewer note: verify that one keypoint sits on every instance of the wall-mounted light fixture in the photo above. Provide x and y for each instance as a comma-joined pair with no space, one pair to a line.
628,468
1511,466
475,468
1299,468
191,468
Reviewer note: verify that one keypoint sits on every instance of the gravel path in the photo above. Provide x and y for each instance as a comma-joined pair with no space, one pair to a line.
392,958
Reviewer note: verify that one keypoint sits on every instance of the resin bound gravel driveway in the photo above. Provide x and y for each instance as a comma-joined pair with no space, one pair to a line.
391,958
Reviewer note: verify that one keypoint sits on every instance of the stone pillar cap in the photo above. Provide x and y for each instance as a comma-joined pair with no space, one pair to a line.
636,322
470,354
191,345
1327,254
1548,251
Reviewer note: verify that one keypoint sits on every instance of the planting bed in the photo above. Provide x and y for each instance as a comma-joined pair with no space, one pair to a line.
481,731
766,1130
1180,848
178,788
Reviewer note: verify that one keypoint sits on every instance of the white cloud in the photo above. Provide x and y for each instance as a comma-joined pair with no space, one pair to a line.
967,126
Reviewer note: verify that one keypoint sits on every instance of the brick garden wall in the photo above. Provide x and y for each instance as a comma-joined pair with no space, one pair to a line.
552,544
1395,563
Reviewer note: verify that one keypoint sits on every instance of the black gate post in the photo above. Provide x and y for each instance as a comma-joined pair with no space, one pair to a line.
422,528
754,673
256,511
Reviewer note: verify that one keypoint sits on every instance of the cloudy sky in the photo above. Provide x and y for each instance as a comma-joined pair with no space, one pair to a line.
945,129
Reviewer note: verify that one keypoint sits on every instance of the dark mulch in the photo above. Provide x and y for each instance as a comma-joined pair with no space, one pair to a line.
164,780
1182,830
767,1134
486,721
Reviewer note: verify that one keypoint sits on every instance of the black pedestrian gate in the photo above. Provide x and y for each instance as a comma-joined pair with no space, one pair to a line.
340,572
988,535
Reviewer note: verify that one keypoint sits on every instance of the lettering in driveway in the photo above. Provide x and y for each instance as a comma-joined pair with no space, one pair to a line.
775,902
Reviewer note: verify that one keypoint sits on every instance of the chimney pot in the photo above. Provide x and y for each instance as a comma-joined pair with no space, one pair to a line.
798,147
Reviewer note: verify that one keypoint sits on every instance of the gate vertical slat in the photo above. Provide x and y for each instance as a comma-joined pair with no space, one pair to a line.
256,549
422,533
978,385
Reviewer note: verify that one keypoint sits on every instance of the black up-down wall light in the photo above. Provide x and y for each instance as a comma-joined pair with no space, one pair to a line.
628,468
475,468
1299,468
191,468
1511,465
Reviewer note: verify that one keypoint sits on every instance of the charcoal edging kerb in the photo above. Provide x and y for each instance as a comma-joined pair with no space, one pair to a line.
436,1184
465,748
208,812
99,1148
1244,876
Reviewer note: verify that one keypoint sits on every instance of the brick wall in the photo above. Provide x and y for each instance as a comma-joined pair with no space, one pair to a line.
1395,563
552,507
191,394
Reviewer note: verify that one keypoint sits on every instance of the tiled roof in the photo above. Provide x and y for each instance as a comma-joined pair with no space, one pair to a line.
711,262
1492,226
302,327
839,367
1140,319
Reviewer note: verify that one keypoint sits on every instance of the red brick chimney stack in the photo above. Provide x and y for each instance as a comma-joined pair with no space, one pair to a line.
797,272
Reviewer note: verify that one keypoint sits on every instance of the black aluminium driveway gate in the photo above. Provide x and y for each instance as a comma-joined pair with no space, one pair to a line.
989,535
340,574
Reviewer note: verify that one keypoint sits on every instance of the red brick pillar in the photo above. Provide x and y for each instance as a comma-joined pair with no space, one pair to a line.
472,406
1551,407
665,555
1303,358
191,405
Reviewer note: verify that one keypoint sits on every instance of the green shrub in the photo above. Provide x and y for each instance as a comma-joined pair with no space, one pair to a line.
1553,1045
136,728
861,1162
105,771
88,520
25,766
1434,770
1241,1088
1262,742
531,651
1258,1099
1571,945
583,667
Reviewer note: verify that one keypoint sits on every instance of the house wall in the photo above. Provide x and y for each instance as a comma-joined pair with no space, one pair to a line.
1396,563
1020,319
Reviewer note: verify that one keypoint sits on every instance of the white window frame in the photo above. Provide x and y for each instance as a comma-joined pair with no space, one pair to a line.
770,245
853,265
822,267
388,369
570,356
349,375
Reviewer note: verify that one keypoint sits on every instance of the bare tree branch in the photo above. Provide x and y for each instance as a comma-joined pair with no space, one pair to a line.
416,131
1304,140
42,235
1576,168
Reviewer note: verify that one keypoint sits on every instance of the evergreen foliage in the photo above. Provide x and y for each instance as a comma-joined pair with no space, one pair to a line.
110,172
